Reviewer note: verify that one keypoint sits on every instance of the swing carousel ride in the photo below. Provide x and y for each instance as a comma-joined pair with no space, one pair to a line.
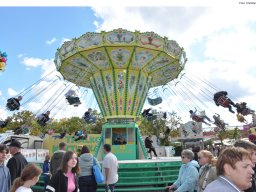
119,72
120,67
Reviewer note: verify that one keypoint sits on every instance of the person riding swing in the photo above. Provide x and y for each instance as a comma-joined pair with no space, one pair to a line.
43,119
220,98
199,118
14,103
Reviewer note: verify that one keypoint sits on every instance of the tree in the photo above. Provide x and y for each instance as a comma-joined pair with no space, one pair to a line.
175,133
161,127
223,135
21,119
71,125
235,134
173,123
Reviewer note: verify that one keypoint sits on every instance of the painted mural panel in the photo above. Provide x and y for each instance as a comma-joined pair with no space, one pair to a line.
120,86
164,75
141,57
120,57
98,57
97,95
102,93
173,48
142,88
75,75
151,40
119,36
81,63
67,49
159,62
89,40
131,89
109,84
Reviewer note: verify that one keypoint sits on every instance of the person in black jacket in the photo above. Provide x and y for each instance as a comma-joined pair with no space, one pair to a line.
149,146
17,163
65,179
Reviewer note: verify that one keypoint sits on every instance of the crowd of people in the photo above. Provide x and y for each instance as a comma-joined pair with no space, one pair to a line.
231,171
64,172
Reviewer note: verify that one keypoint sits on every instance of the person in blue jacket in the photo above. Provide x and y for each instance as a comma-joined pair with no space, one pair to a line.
46,170
188,173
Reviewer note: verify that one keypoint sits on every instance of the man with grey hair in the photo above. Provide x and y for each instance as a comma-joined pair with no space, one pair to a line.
57,158
17,163
188,173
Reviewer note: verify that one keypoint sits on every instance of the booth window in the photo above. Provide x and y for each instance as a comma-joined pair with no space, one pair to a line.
131,138
119,136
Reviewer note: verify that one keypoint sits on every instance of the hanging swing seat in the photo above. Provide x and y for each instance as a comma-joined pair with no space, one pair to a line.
3,123
12,104
155,101
73,101
43,120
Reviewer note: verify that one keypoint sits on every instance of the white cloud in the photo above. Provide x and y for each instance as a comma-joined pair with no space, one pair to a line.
4,113
96,23
11,92
219,44
51,41
34,62
64,40
47,65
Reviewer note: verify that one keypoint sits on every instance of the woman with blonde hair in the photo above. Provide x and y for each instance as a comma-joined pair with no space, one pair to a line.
29,177
207,172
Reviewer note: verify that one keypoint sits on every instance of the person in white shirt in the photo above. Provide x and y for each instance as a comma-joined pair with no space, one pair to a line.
29,177
110,169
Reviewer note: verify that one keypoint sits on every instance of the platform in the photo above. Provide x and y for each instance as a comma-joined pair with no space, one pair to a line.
146,174
154,160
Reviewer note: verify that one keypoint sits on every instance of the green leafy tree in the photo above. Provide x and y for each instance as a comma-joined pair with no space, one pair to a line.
172,129
21,119
162,128
223,135
235,134
145,126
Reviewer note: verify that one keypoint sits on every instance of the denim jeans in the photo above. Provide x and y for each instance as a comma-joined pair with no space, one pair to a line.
87,184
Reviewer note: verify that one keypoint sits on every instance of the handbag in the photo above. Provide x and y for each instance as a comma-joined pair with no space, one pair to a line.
99,178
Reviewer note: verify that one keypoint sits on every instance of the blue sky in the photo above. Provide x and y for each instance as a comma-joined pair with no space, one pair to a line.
26,30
